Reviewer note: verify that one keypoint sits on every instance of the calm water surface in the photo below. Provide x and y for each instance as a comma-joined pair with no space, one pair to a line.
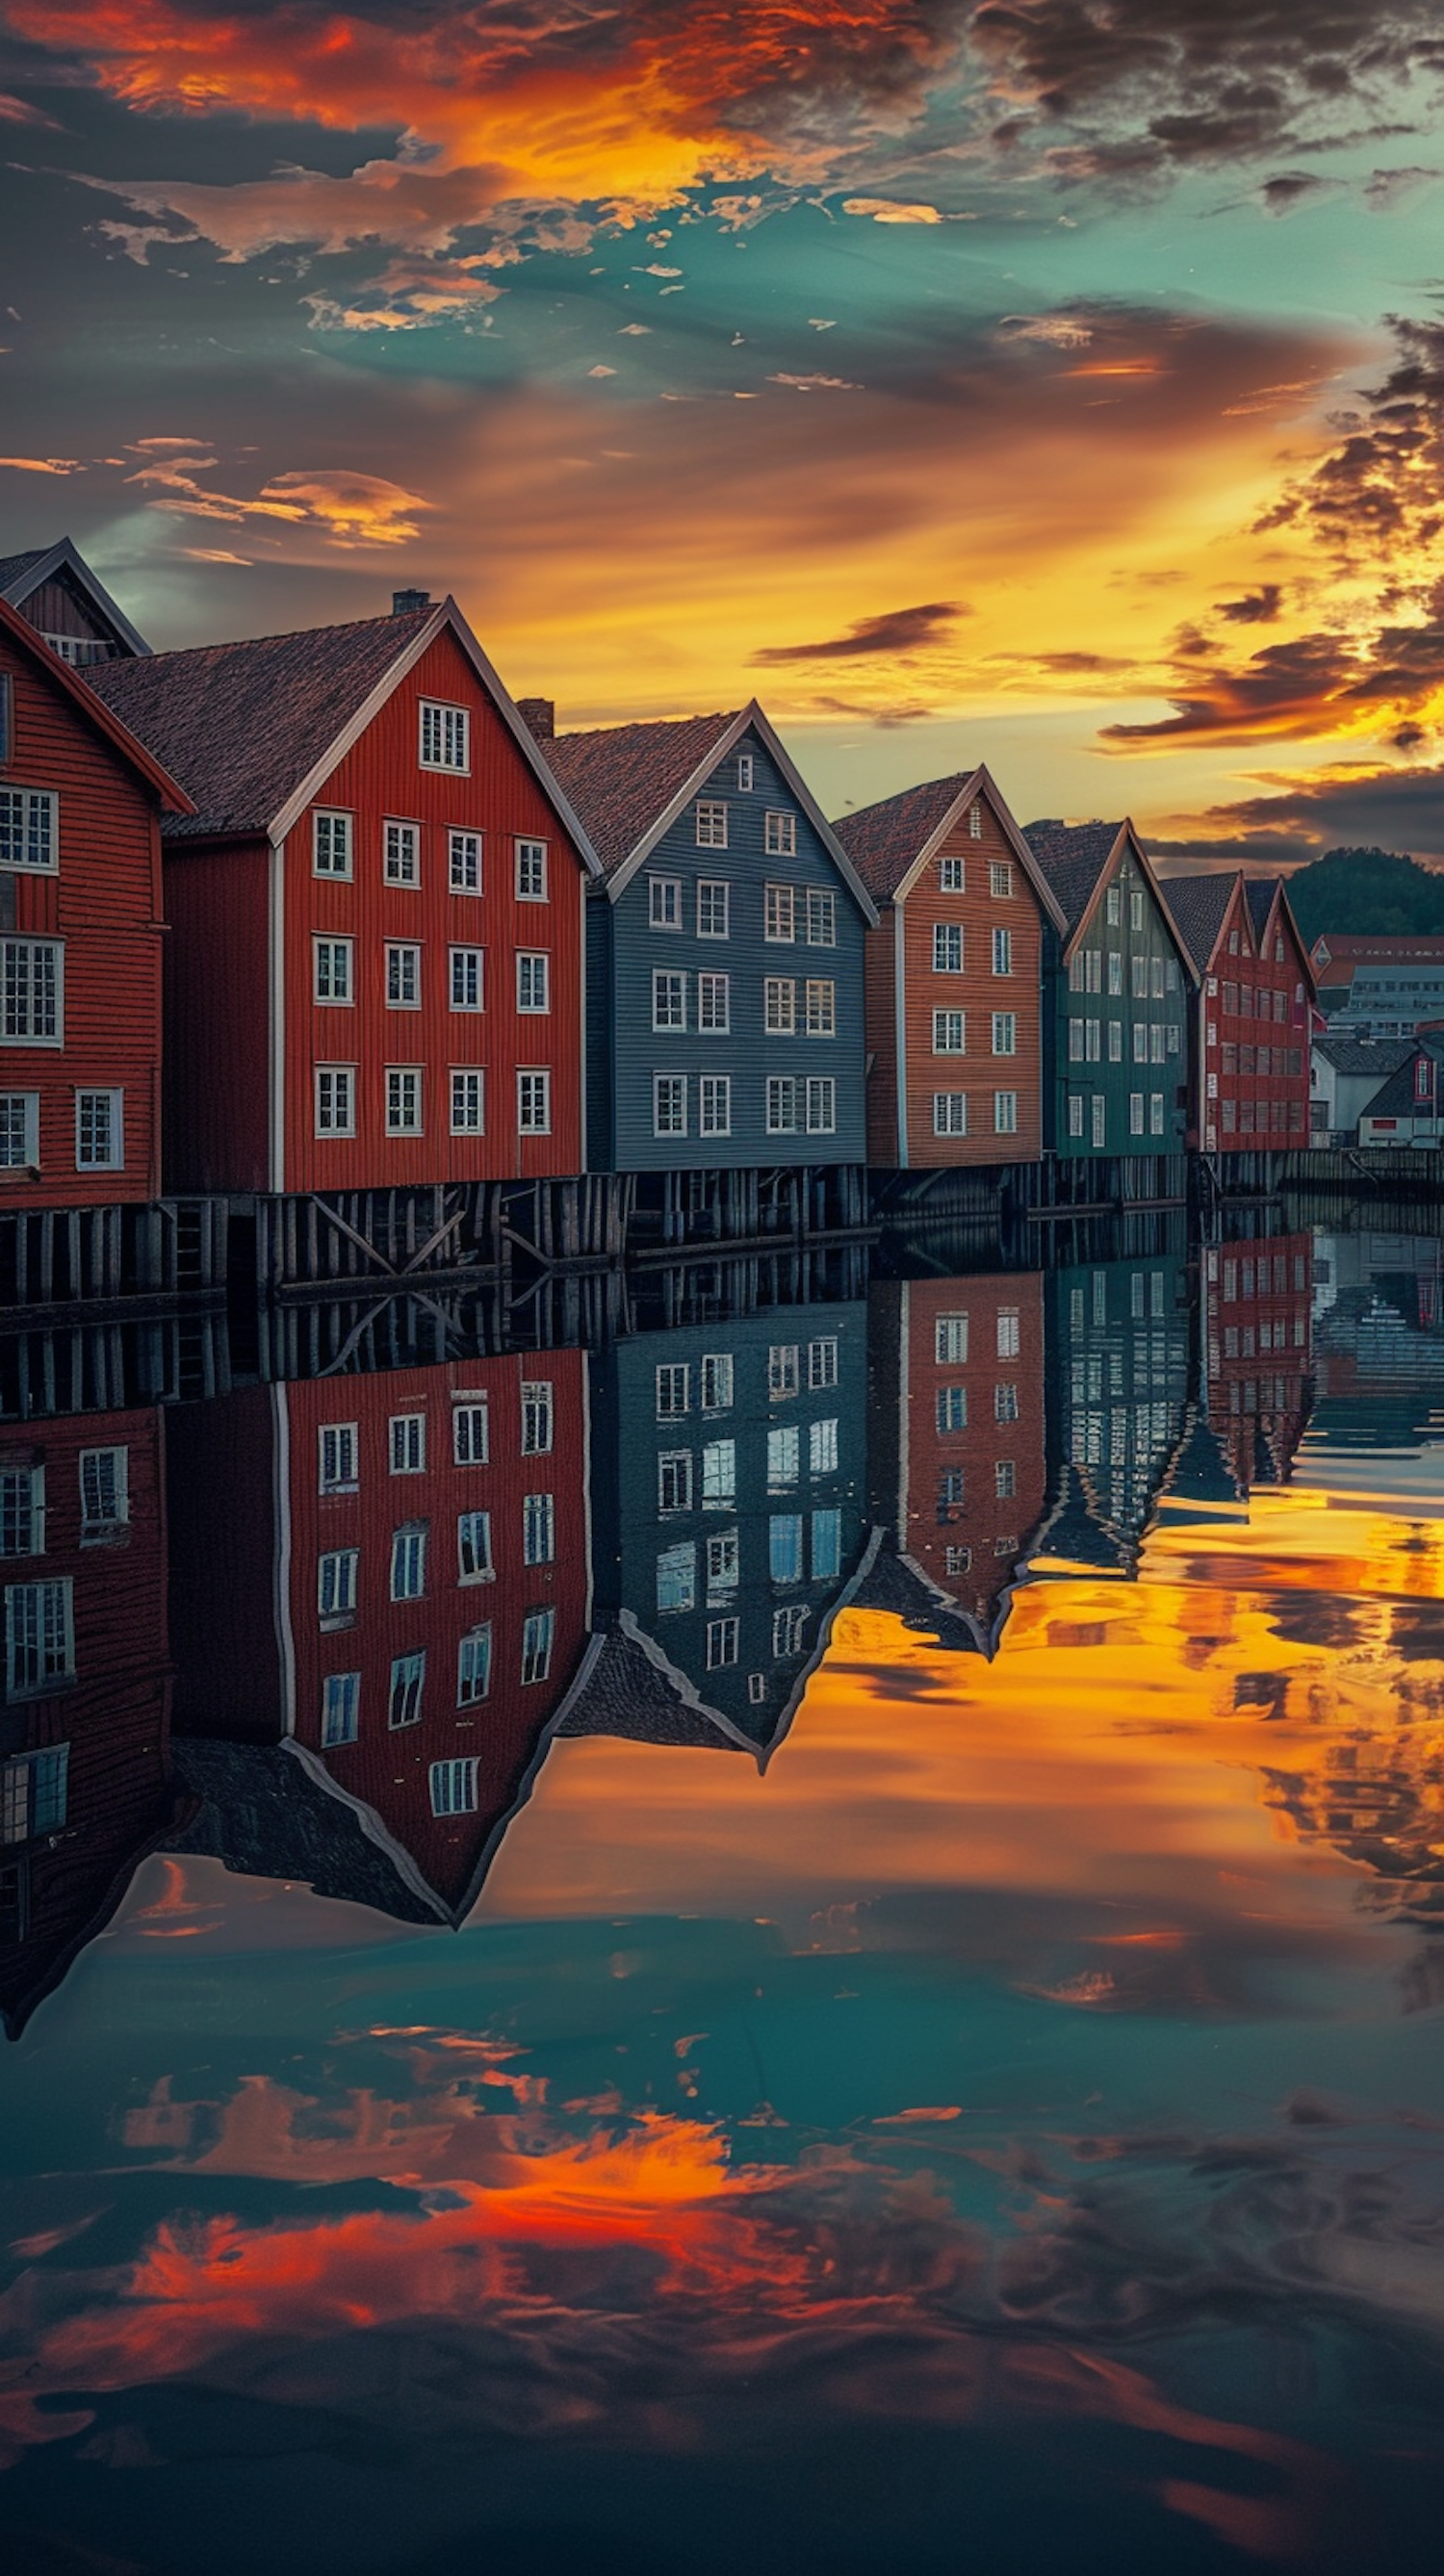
941,2073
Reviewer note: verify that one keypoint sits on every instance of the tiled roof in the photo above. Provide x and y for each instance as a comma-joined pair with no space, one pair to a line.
883,840
1364,1055
621,779
1396,1097
1259,895
1198,905
1072,857
240,725
14,567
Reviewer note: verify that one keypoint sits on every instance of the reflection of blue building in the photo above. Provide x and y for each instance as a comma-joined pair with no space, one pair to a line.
729,1483
1120,1337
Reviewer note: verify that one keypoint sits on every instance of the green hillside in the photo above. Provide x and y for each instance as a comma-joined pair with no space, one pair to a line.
1362,892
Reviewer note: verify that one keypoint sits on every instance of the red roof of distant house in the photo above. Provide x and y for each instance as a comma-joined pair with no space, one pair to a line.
1334,957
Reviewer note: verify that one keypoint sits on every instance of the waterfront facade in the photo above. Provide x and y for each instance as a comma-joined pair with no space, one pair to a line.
1118,986
1249,1054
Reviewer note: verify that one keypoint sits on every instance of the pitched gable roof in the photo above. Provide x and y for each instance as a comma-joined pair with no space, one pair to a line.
22,574
13,568
1259,893
1200,906
1349,1055
252,728
100,717
1396,1097
887,841
1073,857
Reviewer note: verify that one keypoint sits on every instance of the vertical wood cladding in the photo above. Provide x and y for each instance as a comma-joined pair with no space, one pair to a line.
1120,1001
880,1033
980,1072
103,903
216,1017
1253,1045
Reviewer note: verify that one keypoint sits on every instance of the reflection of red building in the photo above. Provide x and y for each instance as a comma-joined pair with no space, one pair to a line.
1260,1296
393,1574
85,1784
957,1434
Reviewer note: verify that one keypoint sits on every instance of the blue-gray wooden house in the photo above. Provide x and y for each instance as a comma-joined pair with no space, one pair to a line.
724,952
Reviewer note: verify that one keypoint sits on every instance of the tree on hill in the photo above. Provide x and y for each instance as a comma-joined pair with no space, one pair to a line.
1367,893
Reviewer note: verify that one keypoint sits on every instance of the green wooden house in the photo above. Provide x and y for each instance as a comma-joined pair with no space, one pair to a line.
1117,995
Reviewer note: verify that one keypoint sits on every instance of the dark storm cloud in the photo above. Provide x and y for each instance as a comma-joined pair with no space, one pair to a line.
897,630
1391,809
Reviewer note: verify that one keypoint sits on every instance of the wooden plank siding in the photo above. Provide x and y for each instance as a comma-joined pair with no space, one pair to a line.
1107,1013
216,1016
1252,1037
979,1073
103,903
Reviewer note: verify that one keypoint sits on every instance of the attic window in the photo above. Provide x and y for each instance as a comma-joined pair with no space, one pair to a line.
445,736
975,822
79,650
744,772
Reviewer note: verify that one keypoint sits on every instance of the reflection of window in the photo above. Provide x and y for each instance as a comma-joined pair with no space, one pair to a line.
674,1480
33,1794
950,1338
674,1381
952,1408
470,1433
336,1573
39,1635
677,1577
538,1529
473,1547
338,1448
783,1459
826,1545
473,1667
789,1627
784,1547
782,1370
340,1709
957,1560
536,1417
1005,1478
1005,1403
22,1511
719,1475
722,1642
453,1787
408,1564
822,1448
408,1677
538,1629
407,1444
822,1361
722,1563
1008,1333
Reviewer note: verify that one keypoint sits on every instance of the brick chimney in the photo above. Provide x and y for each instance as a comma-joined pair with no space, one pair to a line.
539,715
405,603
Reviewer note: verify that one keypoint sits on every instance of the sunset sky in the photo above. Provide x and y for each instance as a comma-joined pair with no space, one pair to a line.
1052,382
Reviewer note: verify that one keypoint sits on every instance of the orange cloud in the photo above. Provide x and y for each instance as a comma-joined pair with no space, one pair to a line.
352,509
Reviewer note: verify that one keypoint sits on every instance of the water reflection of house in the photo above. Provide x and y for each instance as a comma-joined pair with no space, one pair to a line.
730,1486
1119,1339
957,1445
1257,1382
86,1787
391,1576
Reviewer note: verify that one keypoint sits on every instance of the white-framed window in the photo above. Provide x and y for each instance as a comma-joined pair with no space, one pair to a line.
784,1458
533,982
1115,1041
1003,955
1155,1045
463,862
714,1005
19,1130
780,836
1000,878
22,1511
340,1710
445,736
468,990
473,1547
781,1105
669,1104
1135,909
30,829
677,1577
952,876
711,823
724,1563
534,1103
947,948
674,1480
669,999
538,1630
1005,1479
406,1444
1100,1118
822,1360
784,1547
408,1563
674,1389
473,1672
32,992
957,1560
714,1104
104,1494
339,1458
822,1448
821,1104
1114,905
714,908
99,1131
722,1642
471,1431
408,1681
821,997
717,1381
1009,1333
950,1340
1115,971
1005,1032
1155,1113
779,1005
33,1794
39,1635
757,1688
789,1628
531,871
783,1371
1140,1042
952,1408
975,822
453,1785
950,1113
335,1100
779,914
468,1100
332,844
1155,980
719,1476
331,976
744,773
403,1100
401,847
403,975
538,1529
950,1032
1075,1114
821,917
1138,978
664,903
538,1417
337,1571
1005,1401
1005,1113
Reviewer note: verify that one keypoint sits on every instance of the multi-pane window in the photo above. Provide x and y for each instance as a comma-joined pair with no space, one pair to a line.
674,1480
1009,1334
534,1104
401,853
722,1642
821,1009
783,1377
947,948
717,1377
39,1635
952,1408
331,960
471,1432
975,822
779,913
408,1563
22,1511
821,1105
533,981
789,1627
332,846
31,999
1005,1113
950,1340
1115,971
674,1388
1155,1113
784,1458
1005,1402
669,1000
950,1032
99,1131
468,1101
336,1573
445,736
29,828
677,1577
531,871
822,1448
664,902
714,1104
473,1547
453,1786
1000,877
952,876
340,1452
950,1113
1005,1479
1135,909
466,979
408,1681
784,1547
1075,1114
779,998
403,1100
719,1476
406,1444
1005,1033
403,976
1099,1127
335,1100
826,1544
714,1004
780,836
537,1632
473,1666
1003,953
821,917
822,1361
104,1493
19,1130
958,1560
1140,1042
669,1104
744,772
538,1529
711,824
781,1105
724,1563
340,1710
538,1417
1114,900
1115,1041
33,1795
713,908
463,862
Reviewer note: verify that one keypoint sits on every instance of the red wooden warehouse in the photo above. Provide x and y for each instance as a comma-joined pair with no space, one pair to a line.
376,965
1249,1065
80,937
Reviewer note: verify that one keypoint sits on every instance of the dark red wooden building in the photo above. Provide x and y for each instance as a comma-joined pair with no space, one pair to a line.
1249,1063
376,972
81,934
